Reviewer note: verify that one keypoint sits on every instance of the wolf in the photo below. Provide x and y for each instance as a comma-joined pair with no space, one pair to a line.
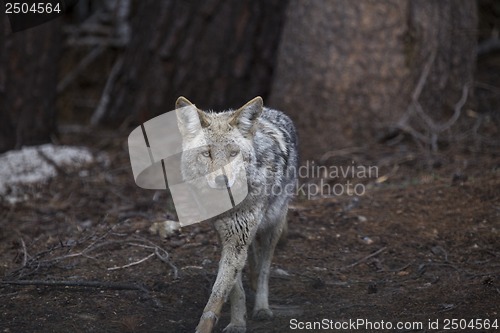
266,141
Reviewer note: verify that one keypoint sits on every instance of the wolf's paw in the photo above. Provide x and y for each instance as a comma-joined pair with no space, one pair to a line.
231,328
262,314
207,322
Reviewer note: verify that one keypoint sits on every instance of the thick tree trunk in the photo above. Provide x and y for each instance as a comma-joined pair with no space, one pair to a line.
28,79
217,53
347,70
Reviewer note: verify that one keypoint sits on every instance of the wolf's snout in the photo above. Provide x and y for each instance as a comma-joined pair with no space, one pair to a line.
221,181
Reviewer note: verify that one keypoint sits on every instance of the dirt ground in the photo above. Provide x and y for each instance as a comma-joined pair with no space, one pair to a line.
421,244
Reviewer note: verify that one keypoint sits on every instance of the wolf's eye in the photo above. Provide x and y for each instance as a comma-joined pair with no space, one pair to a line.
205,153
233,153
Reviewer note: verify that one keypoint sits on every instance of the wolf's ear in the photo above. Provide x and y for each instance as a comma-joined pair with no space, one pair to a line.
246,117
189,117
182,102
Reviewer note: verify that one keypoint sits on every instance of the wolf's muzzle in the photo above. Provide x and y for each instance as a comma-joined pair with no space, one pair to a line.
221,181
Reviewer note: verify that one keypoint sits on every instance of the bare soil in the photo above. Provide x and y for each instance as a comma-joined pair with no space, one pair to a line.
421,244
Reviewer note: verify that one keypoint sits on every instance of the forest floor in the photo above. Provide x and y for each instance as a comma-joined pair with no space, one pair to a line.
420,247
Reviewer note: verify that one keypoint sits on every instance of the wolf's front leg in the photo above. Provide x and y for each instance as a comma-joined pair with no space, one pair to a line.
230,267
263,249
237,297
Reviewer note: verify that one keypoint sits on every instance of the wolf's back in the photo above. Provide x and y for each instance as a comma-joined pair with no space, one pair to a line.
275,144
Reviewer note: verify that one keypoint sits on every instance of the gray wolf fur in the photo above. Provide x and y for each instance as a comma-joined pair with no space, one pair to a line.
267,142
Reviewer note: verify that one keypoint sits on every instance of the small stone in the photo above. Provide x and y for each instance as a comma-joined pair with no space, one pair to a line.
362,218
367,240
165,228
281,272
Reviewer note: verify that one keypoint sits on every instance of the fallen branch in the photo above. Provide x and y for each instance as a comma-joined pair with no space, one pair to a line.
376,253
31,264
132,263
88,284
340,153
164,257
25,253
160,253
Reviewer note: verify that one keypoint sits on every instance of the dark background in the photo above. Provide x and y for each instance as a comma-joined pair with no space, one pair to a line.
348,73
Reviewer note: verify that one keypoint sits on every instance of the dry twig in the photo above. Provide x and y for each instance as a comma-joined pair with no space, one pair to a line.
25,252
371,255
132,263
52,256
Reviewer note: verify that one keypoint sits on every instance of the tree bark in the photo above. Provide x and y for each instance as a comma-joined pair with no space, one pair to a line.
28,79
347,70
216,53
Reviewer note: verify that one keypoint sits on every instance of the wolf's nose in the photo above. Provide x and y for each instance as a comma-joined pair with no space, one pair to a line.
221,180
